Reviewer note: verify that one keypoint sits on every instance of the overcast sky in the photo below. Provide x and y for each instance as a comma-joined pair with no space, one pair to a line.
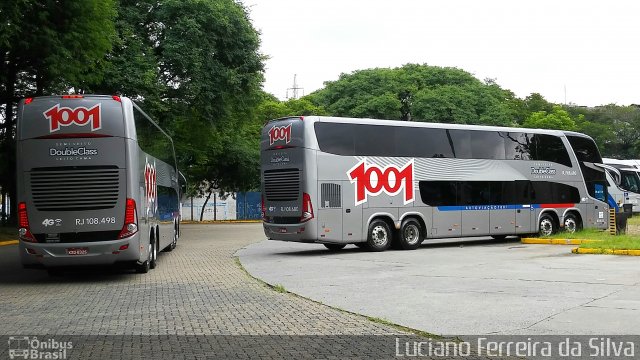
591,48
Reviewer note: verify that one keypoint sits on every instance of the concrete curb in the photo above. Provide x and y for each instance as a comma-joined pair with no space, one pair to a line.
8,242
556,241
221,222
606,251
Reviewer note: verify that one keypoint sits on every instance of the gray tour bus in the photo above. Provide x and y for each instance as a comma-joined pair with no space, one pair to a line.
624,186
97,183
374,183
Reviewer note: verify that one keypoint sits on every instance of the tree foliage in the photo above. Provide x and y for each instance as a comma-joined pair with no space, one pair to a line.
558,119
420,93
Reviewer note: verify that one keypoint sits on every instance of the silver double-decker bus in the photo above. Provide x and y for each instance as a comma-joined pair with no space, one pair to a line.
377,183
97,183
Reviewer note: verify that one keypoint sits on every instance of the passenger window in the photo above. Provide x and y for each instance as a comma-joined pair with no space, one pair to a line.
487,144
461,141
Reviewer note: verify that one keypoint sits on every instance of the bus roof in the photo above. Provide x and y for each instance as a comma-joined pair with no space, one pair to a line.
429,125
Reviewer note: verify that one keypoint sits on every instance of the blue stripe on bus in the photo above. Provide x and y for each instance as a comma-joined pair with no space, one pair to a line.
487,207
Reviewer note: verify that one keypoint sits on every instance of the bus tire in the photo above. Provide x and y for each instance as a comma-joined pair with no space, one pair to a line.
142,268
411,235
153,263
335,247
174,243
572,223
547,225
379,236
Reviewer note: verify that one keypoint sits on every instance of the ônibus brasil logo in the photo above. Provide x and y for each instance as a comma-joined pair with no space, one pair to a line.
81,116
280,133
371,179
151,185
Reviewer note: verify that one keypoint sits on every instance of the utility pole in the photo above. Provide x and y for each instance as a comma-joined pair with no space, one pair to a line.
294,89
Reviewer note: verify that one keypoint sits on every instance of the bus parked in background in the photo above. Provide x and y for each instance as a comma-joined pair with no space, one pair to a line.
627,189
372,183
97,183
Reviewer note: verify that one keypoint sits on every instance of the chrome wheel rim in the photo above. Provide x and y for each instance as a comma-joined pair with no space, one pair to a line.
411,234
570,225
546,227
379,235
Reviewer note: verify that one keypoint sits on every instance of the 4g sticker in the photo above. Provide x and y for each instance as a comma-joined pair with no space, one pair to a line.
371,179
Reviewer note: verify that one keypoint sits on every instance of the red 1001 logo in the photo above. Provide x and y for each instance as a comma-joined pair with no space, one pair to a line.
371,179
81,116
280,133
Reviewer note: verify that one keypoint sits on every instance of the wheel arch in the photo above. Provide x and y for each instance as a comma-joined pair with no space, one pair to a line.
418,216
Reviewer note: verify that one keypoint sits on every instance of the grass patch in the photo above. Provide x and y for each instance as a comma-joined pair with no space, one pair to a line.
279,288
8,233
604,240
634,220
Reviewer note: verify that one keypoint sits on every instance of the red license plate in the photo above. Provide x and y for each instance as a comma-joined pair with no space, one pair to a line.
77,251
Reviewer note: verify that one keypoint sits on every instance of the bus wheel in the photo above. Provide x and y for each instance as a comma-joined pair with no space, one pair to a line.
571,223
144,267
154,255
174,243
410,235
379,236
335,247
547,226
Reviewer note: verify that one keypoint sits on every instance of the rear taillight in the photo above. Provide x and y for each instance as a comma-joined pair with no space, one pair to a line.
28,101
72,96
23,224
130,226
116,98
307,208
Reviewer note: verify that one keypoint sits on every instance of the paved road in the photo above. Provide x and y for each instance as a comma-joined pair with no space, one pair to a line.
464,288
198,289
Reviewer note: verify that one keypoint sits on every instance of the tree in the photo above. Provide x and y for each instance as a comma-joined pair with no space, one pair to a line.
557,119
194,65
46,46
418,93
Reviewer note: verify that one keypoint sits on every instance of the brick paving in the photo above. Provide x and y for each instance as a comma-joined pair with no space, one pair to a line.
198,289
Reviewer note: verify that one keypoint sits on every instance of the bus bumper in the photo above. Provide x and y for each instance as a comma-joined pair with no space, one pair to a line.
72,254
303,232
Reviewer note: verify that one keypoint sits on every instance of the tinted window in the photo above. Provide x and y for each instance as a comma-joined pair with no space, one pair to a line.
336,138
630,181
519,146
487,144
585,149
474,193
454,193
461,141
438,193
422,142
587,152
551,148
151,139
374,140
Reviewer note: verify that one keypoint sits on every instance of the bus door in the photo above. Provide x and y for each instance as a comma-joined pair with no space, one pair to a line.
447,214
502,211
352,228
475,201
525,212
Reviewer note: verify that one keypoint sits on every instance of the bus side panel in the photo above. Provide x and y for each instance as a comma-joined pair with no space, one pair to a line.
351,215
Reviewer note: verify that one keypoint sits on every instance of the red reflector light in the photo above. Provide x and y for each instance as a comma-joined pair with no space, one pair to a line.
123,247
130,225
23,219
117,98
72,96
24,231
28,101
307,208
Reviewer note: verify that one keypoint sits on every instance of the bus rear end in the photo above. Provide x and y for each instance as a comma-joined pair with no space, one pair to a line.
287,208
73,202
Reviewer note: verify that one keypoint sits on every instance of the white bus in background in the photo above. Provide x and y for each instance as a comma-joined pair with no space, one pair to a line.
371,183
627,184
